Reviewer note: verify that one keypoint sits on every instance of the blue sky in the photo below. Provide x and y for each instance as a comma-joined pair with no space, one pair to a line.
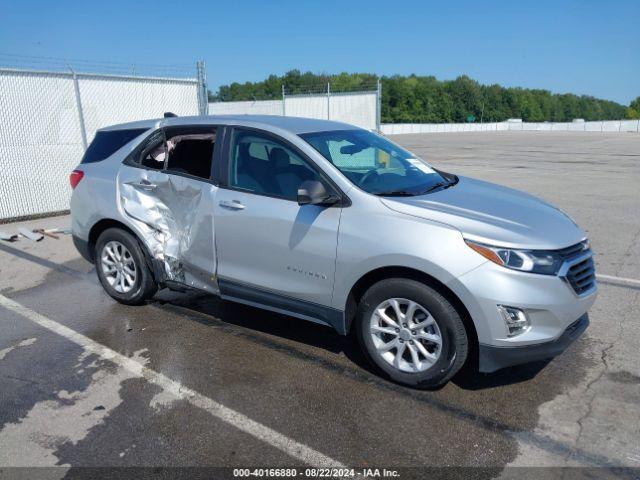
584,47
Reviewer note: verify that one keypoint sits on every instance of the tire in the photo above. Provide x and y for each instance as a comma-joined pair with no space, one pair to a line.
443,324
130,258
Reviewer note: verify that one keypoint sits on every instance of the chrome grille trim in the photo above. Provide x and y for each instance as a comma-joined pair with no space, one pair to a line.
569,252
578,270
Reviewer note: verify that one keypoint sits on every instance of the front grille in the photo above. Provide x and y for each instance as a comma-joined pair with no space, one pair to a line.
582,275
578,268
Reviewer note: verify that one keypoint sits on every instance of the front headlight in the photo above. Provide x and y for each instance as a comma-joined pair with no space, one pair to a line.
534,261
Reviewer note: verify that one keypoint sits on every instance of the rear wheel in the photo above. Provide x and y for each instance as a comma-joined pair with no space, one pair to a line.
411,333
122,269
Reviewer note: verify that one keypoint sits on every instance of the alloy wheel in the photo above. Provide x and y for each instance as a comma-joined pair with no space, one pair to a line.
405,335
118,267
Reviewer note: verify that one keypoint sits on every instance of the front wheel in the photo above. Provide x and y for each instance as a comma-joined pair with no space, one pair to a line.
411,333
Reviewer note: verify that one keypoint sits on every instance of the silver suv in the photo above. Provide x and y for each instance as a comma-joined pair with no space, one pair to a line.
336,225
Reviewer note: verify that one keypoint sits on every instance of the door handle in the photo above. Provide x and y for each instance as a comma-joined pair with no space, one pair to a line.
232,204
143,184
147,185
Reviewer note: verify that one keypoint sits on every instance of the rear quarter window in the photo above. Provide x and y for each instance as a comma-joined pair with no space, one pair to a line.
107,143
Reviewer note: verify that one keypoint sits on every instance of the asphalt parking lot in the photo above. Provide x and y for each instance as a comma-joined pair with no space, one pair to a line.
189,380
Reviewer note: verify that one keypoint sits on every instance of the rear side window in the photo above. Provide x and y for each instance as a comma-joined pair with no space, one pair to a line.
190,151
154,151
107,143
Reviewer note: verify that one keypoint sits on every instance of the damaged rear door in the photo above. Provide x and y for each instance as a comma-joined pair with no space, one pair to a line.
165,190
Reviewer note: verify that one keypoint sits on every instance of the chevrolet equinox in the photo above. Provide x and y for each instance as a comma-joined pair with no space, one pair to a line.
337,225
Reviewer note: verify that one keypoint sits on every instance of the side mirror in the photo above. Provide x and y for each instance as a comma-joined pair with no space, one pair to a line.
312,192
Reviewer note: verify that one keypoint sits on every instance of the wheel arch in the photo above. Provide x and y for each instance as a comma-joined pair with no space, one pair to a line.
105,224
382,273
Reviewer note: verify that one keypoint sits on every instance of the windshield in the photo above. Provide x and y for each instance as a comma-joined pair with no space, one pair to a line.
375,164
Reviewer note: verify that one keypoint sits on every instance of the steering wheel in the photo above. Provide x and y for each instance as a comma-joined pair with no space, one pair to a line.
367,177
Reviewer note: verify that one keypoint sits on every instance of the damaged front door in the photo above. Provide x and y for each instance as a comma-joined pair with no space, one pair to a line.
165,189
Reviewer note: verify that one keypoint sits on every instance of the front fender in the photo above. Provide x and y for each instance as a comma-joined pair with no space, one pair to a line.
379,239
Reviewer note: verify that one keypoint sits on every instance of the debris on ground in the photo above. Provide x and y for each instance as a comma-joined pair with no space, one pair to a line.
46,233
30,234
35,235
61,231
9,237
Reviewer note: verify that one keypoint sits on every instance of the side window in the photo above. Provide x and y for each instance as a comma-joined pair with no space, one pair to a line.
106,143
190,151
264,165
153,152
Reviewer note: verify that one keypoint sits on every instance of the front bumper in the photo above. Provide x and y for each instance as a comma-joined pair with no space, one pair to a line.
492,358
550,303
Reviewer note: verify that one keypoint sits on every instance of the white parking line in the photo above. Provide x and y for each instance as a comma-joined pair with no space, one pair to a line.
632,281
24,343
241,422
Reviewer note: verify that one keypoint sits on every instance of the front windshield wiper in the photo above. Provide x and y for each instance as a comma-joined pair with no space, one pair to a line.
406,193
435,186
395,193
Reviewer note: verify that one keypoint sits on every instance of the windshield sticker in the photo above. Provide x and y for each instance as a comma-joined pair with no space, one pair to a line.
423,167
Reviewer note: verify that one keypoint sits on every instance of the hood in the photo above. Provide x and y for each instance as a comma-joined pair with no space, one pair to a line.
493,214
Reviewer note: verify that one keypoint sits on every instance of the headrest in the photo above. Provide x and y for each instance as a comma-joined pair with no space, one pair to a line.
279,158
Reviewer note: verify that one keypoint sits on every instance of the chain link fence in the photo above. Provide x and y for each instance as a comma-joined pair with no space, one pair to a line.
361,108
47,118
611,126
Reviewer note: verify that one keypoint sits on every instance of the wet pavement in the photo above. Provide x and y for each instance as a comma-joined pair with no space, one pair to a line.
62,405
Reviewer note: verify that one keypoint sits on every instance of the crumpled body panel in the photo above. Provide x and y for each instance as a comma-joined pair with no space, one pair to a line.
175,216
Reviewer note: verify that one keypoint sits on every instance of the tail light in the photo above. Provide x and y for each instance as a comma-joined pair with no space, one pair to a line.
75,177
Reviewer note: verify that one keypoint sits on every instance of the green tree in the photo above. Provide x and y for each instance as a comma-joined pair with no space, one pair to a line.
633,112
425,99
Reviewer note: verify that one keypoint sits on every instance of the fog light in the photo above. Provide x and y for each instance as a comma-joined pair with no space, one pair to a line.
515,319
